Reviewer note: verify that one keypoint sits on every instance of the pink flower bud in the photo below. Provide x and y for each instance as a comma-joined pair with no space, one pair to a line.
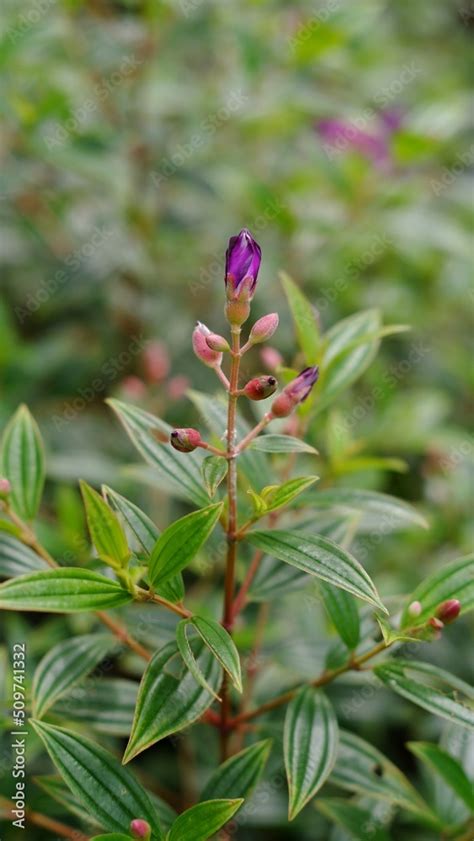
140,829
210,357
156,363
216,342
185,440
295,392
261,387
414,609
5,488
271,358
264,328
133,387
448,611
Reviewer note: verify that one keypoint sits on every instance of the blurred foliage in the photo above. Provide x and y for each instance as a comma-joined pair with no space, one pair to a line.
137,136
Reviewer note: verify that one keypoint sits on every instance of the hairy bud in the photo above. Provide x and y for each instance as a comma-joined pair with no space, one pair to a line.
210,357
295,392
261,387
185,440
216,342
140,829
264,328
448,611
5,487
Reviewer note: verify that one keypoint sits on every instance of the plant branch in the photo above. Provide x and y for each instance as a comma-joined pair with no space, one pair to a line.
254,432
220,373
227,619
179,609
326,677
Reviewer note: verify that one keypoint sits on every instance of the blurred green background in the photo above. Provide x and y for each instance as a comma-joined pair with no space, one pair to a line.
138,136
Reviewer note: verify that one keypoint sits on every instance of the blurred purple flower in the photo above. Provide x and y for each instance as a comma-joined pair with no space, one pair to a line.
342,134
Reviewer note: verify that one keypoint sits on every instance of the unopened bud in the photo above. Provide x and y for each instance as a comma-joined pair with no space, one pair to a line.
271,358
261,387
5,488
264,328
216,342
140,829
185,440
242,264
156,363
210,357
448,611
414,609
295,392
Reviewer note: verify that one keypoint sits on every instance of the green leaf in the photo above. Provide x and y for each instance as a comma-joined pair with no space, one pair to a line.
219,641
18,559
305,319
214,470
278,496
146,534
62,590
106,705
393,674
350,347
169,700
363,769
180,542
360,823
321,557
310,746
22,463
238,776
64,665
187,654
453,581
109,792
447,767
112,836
106,532
56,788
281,444
459,743
343,612
178,473
202,821
382,512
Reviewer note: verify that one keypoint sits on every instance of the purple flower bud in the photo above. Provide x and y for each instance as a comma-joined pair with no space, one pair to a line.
210,357
185,440
261,387
140,829
448,611
264,328
295,392
5,487
216,342
242,262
